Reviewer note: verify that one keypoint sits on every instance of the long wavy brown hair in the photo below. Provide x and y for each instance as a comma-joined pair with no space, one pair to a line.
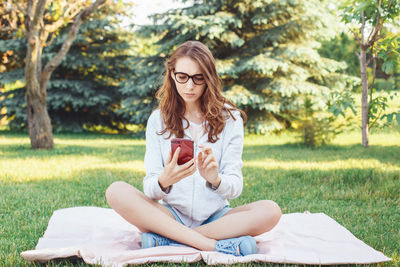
212,102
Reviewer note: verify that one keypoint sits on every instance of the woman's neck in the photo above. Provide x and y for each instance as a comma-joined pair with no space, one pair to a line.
193,113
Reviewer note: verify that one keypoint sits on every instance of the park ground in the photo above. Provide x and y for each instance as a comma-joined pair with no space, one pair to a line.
357,187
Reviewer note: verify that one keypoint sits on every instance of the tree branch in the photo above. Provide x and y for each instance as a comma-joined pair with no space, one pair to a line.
356,36
376,118
373,38
20,9
50,42
56,60
38,14
369,60
28,17
30,8
362,27
6,13
379,24
378,17
58,23
10,8
33,58
374,57
388,9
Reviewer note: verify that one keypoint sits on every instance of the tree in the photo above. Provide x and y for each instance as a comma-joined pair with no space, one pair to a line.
341,48
40,20
81,94
266,54
370,16
8,59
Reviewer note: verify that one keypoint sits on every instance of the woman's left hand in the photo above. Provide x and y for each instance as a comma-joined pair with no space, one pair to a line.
208,166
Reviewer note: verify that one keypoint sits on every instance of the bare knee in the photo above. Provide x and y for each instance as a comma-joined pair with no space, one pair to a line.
268,214
115,192
274,211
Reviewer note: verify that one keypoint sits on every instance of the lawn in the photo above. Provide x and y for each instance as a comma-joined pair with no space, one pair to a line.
357,187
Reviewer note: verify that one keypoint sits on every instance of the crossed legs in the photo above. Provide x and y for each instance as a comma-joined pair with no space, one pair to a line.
150,216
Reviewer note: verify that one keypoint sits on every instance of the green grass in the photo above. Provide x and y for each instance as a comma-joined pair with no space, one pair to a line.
357,187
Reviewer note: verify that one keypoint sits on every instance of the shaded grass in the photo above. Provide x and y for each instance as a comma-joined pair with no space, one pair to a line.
357,187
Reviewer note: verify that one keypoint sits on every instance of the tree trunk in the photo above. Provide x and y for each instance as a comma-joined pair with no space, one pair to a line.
39,125
364,96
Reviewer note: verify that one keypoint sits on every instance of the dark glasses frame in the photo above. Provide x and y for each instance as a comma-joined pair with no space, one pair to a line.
193,77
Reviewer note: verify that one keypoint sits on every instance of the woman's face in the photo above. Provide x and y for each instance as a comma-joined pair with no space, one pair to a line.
189,88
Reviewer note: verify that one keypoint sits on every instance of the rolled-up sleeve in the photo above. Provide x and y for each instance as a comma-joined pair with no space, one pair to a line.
153,160
230,165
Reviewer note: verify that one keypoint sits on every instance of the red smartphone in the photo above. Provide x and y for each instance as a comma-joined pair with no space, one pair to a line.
187,147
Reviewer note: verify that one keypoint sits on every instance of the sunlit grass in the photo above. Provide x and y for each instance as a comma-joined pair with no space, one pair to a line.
322,165
69,158
357,187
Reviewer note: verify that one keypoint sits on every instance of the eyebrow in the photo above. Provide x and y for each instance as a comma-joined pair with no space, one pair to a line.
189,74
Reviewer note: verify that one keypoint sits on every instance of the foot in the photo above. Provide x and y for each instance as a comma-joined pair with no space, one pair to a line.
150,240
239,246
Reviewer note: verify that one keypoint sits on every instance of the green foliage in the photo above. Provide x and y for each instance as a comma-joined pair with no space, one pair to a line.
377,109
369,18
266,53
392,116
388,50
389,10
385,84
9,60
342,48
340,102
82,92
316,128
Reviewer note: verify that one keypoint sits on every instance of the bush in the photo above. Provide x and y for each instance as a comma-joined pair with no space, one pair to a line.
316,127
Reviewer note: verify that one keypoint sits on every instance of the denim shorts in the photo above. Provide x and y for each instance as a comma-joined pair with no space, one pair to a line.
218,214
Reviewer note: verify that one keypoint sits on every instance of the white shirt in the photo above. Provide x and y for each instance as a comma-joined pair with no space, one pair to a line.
196,130
192,198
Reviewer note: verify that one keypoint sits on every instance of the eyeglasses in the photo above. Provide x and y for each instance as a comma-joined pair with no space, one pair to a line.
182,77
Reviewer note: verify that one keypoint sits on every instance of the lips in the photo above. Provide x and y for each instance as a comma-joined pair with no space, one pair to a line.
189,95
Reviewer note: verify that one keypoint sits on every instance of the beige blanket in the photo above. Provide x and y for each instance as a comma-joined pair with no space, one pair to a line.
99,235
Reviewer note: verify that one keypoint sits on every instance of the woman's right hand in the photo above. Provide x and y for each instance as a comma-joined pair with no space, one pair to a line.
173,172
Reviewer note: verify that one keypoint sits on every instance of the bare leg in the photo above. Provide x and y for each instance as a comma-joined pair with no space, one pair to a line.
149,215
251,219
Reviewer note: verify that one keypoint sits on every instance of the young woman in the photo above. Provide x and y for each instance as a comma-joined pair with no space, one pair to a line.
187,204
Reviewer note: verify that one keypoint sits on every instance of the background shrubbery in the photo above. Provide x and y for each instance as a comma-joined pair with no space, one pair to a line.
272,56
